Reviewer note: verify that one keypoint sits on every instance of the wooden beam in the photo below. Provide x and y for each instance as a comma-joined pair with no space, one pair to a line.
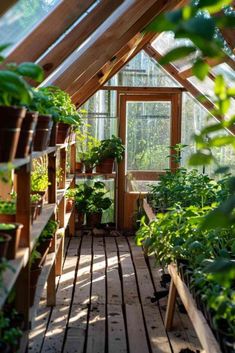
122,58
130,18
184,82
78,35
5,5
49,30
144,90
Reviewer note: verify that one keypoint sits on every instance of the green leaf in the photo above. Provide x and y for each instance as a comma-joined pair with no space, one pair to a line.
31,70
213,6
176,54
220,87
200,69
14,86
220,141
160,24
4,46
200,26
200,158
225,21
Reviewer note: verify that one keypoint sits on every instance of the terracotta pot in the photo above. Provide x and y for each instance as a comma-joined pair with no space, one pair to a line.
14,242
34,211
7,218
4,347
93,219
69,205
80,219
11,119
106,166
54,133
88,169
43,132
4,244
63,133
26,134
79,167
34,274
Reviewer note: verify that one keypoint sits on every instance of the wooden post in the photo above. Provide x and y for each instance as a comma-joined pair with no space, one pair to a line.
59,258
52,177
73,158
63,155
51,287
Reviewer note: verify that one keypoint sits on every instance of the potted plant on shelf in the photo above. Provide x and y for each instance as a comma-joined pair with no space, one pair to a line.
14,230
8,210
14,93
45,239
4,243
63,111
36,205
86,149
35,263
39,178
108,151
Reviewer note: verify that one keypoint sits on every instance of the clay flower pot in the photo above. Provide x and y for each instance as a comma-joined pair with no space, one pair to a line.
79,166
93,219
26,134
14,243
63,133
54,133
4,242
42,133
105,166
11,119
69,205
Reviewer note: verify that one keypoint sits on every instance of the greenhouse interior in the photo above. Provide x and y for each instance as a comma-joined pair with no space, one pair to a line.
117,176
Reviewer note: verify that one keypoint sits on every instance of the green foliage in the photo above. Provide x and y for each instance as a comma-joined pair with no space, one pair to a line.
110,148
34,198
90,198
52,100
8,207
7,226
9,334
49,231
39,176
35,255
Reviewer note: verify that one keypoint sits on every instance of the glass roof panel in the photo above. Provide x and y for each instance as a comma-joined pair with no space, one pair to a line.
206,87
225,70
166,42
143,71
21,18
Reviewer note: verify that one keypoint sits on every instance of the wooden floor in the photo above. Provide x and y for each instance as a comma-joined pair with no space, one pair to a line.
104,304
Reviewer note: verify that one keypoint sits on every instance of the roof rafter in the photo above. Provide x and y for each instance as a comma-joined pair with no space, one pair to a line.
40,39
5,5
127,53
78,35
130,18
184,82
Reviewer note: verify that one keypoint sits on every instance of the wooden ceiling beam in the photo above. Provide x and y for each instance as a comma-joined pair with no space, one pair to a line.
5,5
130,18
49,30
127,53
78,35
184,82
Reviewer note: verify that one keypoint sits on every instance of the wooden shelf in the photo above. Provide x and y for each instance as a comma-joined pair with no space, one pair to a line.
84,175
10,275
17,163
50,259
65,145
38,154
148,210
41,221
199,322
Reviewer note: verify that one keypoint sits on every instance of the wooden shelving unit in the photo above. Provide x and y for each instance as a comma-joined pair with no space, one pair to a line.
18,275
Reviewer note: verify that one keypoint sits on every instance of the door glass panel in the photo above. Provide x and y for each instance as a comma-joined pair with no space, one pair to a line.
148,135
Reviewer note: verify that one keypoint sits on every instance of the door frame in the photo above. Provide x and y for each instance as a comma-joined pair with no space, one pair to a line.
175,97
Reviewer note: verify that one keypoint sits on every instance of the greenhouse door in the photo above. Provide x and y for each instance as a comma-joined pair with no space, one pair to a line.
149,125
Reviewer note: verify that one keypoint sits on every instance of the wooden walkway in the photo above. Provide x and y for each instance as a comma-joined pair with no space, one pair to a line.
104,304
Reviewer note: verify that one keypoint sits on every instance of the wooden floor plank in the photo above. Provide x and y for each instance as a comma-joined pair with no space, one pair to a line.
98,292
114,289
116,330
96,330
135,329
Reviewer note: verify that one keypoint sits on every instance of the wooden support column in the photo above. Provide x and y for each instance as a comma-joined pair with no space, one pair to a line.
52,178
170,307
73,158
51,287
63,158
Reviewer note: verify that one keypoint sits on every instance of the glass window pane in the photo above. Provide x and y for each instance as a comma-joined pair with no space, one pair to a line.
148,135
226,71
143,71
21,18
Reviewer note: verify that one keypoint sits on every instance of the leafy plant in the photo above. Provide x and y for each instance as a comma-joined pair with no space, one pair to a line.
34,198
49,231
14,90
7,226
39,176
7,207
110,148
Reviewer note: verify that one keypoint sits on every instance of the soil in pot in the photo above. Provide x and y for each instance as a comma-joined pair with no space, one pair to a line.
42,133
105,166
26,134
63,133
15,240
93,219
11,119
4,242
54,133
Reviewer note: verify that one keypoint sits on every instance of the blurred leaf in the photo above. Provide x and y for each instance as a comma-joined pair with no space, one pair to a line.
222,170
213,6
200,158
220,265
176,54
225,21
160,24
4,46
200,69
220,141
201,26
31,70
220,87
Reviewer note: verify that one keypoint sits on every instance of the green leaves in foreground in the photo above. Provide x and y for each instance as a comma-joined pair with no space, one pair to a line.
12,86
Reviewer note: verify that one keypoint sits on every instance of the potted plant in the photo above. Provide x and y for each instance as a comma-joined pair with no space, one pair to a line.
36,205
45,239
27,131
14,230
8,210
4,243
39,178
35,263
86,150
108,151
14,93
70,194
63,111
